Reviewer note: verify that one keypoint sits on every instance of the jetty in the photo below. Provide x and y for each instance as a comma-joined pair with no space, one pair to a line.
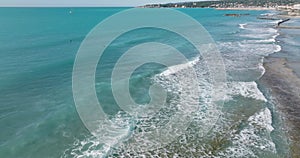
286,27
283,21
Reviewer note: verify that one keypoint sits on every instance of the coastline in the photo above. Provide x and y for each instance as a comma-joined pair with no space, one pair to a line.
284,85
249,8
282,81
288,16
289,27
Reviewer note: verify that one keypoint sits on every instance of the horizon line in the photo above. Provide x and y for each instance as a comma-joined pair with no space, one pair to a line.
66,6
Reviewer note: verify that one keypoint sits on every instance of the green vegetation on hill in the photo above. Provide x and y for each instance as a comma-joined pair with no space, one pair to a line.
228,3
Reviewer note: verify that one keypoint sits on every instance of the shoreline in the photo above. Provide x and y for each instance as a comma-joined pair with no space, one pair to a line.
288,27
288,16
283,84
248,8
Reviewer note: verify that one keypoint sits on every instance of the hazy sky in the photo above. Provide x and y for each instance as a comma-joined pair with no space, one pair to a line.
81,2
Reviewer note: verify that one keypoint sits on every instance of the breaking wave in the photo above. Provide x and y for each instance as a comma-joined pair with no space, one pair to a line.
251,135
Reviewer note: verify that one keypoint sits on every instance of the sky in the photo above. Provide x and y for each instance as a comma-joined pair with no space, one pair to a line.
82,2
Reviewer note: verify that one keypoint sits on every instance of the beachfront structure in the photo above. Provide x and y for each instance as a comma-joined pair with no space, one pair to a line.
297,6
291,10
228,4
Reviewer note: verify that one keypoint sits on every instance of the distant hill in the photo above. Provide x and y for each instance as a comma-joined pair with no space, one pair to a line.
227,4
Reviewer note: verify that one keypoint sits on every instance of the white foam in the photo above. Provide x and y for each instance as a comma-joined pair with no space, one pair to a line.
261,67
278,48
239,53
267,14
245,89
276,35
262,119
176,68
256,136
248,48
89,147
252,51
243,142
242,26
261,33
271,40
114,131
275,22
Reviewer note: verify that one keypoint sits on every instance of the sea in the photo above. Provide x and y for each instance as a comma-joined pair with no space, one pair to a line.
38,116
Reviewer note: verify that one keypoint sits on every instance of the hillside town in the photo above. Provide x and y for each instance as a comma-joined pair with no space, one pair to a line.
290,7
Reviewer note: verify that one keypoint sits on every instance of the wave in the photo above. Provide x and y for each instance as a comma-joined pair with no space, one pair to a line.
169,79
115,131
260,42
250,139
176,68
268,14
243,56
245,89
236,53
261,67
259,32
271,40
242,26
89,147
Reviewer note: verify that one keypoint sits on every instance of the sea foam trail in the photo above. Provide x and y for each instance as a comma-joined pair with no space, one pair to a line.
260,42
235,55
245,89
114,131
176,68
254,137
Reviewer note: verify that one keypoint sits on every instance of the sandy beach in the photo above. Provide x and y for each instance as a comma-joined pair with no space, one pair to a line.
288,16
249,8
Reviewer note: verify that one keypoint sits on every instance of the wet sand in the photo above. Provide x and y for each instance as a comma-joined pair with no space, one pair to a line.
284,86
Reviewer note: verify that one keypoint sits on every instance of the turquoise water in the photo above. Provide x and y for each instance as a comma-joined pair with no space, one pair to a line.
37,112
